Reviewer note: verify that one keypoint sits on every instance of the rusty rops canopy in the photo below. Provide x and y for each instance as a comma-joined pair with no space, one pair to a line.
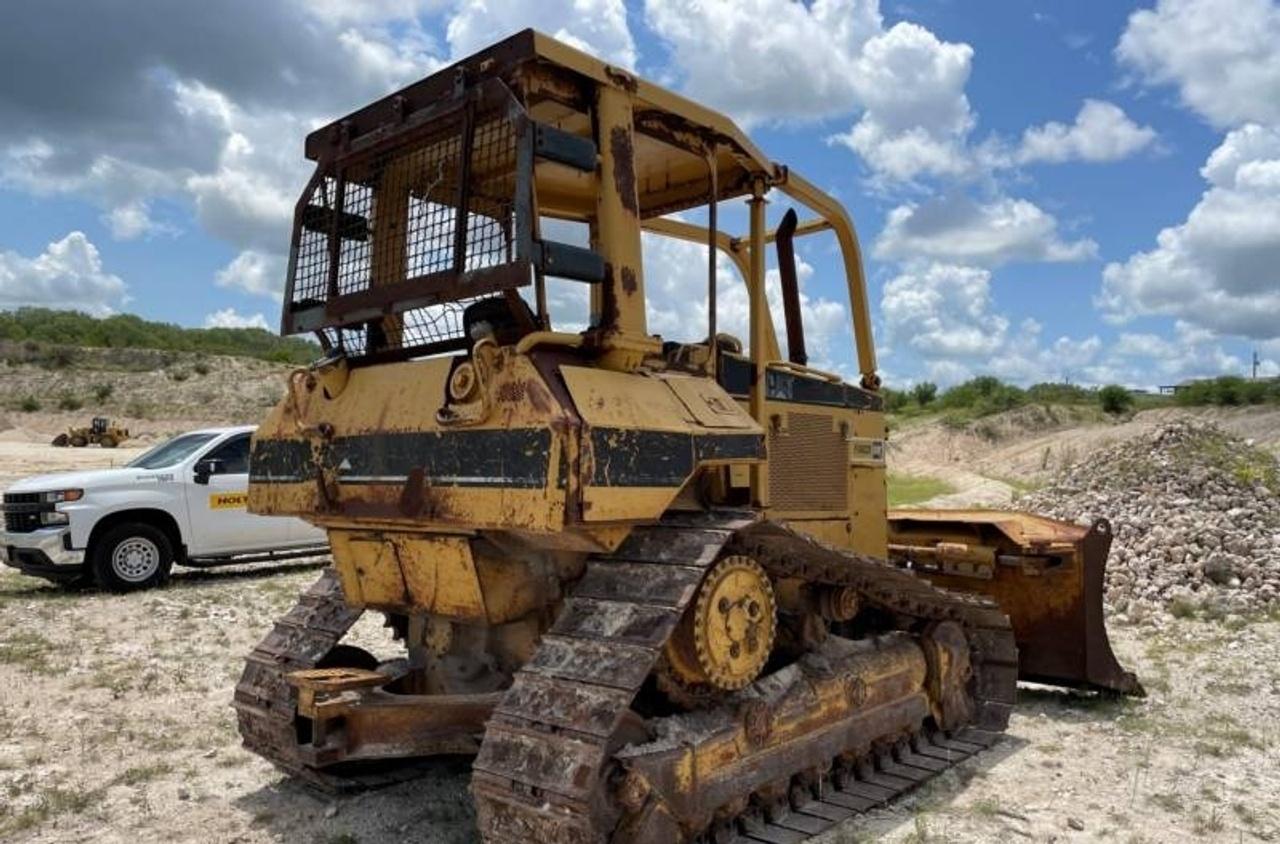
429,198
553,83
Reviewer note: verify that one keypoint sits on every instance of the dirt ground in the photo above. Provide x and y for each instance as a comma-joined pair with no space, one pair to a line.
116,725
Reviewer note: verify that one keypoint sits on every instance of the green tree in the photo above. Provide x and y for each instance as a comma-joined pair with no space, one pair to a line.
924,392
56,334
894,400
1115,399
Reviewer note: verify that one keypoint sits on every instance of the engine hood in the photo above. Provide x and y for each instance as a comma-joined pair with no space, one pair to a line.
91,479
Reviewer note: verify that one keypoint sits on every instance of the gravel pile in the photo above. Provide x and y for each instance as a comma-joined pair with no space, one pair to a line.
1196,517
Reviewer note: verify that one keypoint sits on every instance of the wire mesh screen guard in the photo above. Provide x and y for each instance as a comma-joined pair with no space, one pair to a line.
394,245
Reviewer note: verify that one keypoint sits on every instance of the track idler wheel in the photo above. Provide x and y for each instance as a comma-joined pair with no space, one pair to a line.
725,638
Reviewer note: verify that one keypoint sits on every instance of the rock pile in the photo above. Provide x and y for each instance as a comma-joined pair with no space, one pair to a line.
1196,517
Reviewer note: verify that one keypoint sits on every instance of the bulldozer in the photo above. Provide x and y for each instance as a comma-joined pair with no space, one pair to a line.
652,587
99,432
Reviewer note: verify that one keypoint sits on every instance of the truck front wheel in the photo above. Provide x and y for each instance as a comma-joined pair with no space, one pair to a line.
131,556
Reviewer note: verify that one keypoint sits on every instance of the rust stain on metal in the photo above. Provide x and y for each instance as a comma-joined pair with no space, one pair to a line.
510,392
629,283
609,311
624,168
413,497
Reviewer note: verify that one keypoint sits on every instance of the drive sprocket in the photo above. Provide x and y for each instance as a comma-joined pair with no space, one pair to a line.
725,638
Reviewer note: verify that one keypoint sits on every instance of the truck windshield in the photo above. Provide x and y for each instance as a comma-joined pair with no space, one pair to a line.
172,452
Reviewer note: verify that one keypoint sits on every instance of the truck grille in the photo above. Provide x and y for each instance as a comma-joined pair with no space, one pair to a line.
22,511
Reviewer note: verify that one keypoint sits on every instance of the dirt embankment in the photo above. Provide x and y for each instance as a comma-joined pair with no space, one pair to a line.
993,460
150,392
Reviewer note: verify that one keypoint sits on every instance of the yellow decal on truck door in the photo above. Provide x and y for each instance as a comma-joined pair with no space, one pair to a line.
228,500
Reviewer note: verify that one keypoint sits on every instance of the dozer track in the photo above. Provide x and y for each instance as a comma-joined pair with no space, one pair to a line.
548,752
548,756
266,702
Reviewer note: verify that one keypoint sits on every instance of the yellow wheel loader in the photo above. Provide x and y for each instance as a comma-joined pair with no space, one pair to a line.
99,432
651,586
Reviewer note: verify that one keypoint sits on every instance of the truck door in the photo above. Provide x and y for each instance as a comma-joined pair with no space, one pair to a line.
217,498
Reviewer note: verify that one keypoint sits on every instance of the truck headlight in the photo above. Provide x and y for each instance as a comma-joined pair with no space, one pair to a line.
61,496
53,517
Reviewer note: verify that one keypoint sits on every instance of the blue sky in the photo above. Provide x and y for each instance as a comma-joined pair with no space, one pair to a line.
1044,190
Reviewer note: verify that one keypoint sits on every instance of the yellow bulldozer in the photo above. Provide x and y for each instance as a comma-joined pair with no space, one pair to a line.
653,587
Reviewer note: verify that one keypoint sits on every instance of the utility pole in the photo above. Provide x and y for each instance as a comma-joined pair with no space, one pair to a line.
1255,364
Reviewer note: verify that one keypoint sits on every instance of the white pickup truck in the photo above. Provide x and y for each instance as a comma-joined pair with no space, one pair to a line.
181,502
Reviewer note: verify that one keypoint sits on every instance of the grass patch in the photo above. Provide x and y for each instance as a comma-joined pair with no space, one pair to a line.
29,651
1246,815
49,804
140,774
905,490
985,807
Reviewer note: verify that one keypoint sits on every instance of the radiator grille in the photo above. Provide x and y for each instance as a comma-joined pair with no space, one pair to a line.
808,465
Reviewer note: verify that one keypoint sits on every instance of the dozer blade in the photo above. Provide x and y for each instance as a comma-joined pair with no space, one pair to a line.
1047,576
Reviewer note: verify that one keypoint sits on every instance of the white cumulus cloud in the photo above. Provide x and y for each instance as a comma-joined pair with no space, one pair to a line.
954,228
1101,132
259,273
750,58
1220,269
943,312
1220,54
596,26
917,117
767,61
230,318
946,317
68,274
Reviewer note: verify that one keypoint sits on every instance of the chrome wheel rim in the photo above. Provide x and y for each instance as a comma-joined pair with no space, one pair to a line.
135,559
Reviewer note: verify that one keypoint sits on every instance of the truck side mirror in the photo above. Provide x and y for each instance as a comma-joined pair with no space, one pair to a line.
206,467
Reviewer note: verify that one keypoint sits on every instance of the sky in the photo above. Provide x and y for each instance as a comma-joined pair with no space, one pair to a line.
1081,190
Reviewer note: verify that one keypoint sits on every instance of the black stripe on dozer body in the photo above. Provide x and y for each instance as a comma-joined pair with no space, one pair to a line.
627,458
507,458
736,375
503,458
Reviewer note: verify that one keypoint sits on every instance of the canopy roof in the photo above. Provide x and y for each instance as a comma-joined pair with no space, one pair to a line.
555,82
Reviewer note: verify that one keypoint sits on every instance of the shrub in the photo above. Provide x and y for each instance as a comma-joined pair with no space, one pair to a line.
1046,393
138,409
102,392
1228,390
982,396
59,357
1115,399
894,400
201,368
69,402
924,392
29,404
179,374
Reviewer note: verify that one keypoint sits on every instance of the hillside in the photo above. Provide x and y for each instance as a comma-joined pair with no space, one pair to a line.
994,459
47,336
153,393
